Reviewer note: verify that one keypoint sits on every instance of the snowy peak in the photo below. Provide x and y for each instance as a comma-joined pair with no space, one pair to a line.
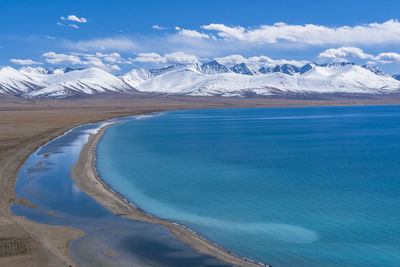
156,72
306,68
242,69
40,82
17,83
286,68
81,82
71,69
374,69
43,71
396,77
136,77
265,70
35,70
213,67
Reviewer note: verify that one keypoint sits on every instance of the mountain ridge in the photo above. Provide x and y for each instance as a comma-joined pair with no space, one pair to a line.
206,79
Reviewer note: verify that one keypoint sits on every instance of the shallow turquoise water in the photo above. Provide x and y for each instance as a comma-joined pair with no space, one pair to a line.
284,186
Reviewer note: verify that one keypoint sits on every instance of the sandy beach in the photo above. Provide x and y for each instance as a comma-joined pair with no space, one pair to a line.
25,125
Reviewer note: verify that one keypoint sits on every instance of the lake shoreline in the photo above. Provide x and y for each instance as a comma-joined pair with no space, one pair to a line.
87,179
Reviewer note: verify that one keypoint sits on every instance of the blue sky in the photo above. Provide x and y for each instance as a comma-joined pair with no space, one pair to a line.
120,35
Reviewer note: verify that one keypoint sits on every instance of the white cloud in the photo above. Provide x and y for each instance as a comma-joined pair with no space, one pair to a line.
74,19
150,57
231,60
180,57
311,34
113,58
176,57
25,62
54,58
269,62
258,61
73,26
192,33
115,67
226,32
388,58
94,61
345,52
160,28
108,62
110,58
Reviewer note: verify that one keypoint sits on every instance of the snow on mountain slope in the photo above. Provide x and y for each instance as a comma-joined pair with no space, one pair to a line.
332,78
396,77
374,69
18,83
208,79
87,81
243,69
178,81
35,71
213,67
348,78
136,77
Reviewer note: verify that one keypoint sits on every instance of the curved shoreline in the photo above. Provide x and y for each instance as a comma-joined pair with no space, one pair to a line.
50,239
87,179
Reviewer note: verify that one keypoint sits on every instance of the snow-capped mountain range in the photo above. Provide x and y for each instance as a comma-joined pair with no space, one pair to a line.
206,79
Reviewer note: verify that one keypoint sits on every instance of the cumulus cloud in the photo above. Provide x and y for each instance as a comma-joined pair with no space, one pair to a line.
176,57
25,61
108,62
74,19
73,26
115,67
192,33
258,61
388,58
231,60
54,58
113,58
150,58
311,34
110,58
268,62
180,57
345,52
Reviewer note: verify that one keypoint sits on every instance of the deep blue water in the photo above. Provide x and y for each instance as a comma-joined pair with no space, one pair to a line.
284,186
51,188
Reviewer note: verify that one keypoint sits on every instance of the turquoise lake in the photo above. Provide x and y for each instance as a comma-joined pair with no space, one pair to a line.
283,186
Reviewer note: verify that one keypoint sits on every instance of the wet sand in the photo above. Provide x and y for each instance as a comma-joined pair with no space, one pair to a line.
25,125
